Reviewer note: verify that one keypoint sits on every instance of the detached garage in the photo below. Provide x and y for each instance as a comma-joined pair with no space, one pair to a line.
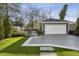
55,26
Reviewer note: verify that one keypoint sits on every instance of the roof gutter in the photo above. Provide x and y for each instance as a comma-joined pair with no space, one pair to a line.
55,22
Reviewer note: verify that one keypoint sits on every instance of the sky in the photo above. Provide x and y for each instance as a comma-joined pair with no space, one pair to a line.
72,11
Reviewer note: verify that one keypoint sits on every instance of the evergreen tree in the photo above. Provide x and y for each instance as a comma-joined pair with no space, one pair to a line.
63,12
1,28
77,28
40,27
8,27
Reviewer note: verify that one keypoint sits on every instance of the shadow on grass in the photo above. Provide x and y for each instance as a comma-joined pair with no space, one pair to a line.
65,52
16,48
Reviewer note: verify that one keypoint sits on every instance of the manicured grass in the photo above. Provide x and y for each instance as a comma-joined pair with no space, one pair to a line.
8,41
12,47
17,50
66,52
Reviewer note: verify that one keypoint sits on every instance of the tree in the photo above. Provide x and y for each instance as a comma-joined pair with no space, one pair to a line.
11,9
23,17
77,27
8,27
8,11
63,12
40,27
49,12
44,15
19,22
1,28
32,13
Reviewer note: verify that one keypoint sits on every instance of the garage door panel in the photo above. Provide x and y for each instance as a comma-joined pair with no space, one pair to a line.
55,28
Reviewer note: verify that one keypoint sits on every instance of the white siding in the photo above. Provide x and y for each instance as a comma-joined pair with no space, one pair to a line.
55,29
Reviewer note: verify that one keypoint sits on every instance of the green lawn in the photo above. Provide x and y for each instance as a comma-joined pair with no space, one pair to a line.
66,52
16,49
12,47
8,41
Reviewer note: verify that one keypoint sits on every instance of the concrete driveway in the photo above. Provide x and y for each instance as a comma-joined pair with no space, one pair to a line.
54,40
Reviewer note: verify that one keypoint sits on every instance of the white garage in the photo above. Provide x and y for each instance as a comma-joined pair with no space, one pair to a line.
55,27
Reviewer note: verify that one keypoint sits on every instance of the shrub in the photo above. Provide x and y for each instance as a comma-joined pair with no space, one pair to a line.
1,28
40,32
8,27
71,32
19,33
77,27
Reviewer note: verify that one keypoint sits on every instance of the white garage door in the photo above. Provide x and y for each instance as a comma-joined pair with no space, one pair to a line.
55,28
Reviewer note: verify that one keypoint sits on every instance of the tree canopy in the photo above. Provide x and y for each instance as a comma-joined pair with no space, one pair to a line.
77,27
63,12
8,27
1,28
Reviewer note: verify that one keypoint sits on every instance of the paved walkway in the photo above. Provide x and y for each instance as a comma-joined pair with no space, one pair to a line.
48,54
47,51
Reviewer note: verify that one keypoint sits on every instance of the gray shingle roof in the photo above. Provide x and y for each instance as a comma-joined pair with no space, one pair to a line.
52,19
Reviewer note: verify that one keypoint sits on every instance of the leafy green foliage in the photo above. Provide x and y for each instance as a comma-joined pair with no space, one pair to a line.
40,26
19,33
77,28
8,27
63,12
6,10
40,31
1,28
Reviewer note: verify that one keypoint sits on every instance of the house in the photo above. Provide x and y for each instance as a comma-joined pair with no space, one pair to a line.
18,28
60,38
55,26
